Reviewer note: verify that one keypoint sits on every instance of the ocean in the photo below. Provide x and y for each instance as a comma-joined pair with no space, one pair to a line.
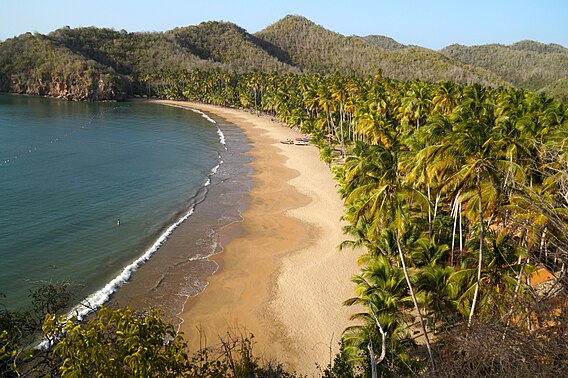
90,192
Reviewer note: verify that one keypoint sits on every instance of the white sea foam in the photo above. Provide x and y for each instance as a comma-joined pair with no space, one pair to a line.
93,301
200,257
219,132
221,137
203,115
195,111
98,298
215,168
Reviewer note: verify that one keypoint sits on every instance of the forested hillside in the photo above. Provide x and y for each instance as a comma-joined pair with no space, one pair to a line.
228,44
127,53
383,42
104,64
33,64
316,49
527,64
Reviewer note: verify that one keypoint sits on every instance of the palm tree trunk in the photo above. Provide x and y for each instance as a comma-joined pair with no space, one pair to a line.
454,214
374,361
480,261
429,213
401,255
438,196
461,230
341,120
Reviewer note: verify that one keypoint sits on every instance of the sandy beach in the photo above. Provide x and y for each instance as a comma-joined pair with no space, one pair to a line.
281,276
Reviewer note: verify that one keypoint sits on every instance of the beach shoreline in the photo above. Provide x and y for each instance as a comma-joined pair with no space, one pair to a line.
281,277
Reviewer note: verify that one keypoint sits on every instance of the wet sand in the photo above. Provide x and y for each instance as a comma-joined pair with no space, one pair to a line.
280,274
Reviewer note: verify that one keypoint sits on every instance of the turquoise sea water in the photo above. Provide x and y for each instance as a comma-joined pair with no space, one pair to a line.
69,171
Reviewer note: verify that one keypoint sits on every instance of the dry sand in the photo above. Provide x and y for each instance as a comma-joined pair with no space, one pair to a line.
281,276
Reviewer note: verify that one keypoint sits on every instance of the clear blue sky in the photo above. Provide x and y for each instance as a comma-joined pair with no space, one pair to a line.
428,23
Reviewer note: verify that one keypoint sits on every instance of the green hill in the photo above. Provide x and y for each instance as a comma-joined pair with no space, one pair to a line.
538,47
383,42
98,63
127,53
527,64
228,44
314,48
33,64
558,89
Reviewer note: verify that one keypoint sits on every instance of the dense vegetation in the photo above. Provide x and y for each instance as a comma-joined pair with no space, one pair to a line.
32,64
526,64
230,45
457,193
316,49
104,64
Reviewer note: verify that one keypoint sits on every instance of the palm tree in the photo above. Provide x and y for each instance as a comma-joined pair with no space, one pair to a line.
416,104
501,270
445,98
471,147
386,203
327,104
426,252
339,95
383,285
439,289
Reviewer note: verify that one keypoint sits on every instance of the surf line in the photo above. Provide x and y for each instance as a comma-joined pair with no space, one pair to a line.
208,118
98,298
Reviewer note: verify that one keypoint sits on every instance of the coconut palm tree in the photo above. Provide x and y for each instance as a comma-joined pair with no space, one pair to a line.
446,97
383,285
386,204
416,103
471,149
438,289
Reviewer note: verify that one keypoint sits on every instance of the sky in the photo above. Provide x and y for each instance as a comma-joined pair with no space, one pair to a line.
428,23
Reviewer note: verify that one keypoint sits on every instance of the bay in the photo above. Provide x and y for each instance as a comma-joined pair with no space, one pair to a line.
69,171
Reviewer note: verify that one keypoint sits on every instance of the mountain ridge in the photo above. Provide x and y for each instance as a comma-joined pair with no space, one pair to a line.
330,51
529,64
294,44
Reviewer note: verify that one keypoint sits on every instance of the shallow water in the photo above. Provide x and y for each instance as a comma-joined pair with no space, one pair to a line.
69,171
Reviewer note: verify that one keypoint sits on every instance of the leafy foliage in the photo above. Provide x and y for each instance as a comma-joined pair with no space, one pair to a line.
316,49
121,343
20,330
527,64
118,344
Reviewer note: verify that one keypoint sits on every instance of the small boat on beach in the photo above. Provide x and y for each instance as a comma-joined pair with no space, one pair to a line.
297,141
302,141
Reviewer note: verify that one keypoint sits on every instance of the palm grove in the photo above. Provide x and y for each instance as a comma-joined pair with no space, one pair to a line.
457,193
